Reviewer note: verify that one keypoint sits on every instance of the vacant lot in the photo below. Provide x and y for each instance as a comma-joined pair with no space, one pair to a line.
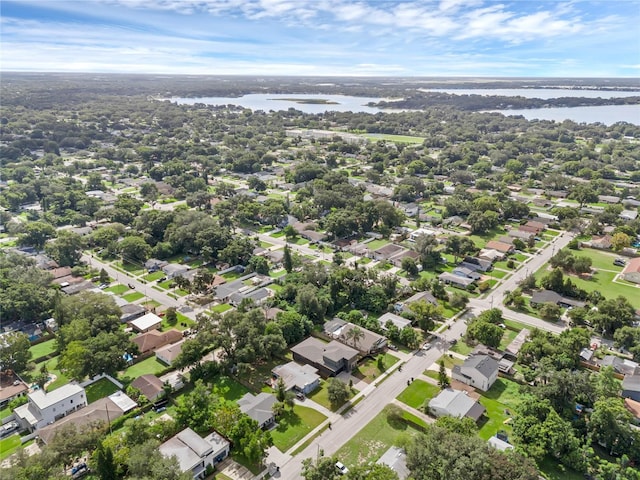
294,425
373,440
419,392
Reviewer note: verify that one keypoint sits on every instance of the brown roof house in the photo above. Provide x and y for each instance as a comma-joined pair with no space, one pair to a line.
603,243
154,339
150,386
500,246
169,353
631,272
329,358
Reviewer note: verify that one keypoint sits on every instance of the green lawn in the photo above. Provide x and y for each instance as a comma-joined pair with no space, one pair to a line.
42,349
321,396
299,241
228,388
222,307
277,234
395,138
266,244
154,276
368,370
294,425
419,392
373,440
100,389
462,348
151,365
9,445
134,269
166,284
52,368
503,395
552,470
493,234
599,259
497,274
603,282
507,338
449,362
118,289
133,296
376,244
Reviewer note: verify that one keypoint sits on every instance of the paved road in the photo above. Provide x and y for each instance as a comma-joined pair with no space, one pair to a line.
144,288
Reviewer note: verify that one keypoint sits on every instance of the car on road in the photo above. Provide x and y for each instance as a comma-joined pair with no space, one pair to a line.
341,468
391,346
426,346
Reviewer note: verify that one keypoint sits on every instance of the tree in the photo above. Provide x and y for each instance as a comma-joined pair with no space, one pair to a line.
426,314
104,276
409,337
195,409
171,315
290,232
66,249
354,335
443,378
323,469
486,333
459,246
482,222
338,392
36,235
605,383
15,353
287,261
550,311
259,265
409,266
149,191
583,193
458,301
104,463
134,249
629,338
372,472
619,241
146,461
610,425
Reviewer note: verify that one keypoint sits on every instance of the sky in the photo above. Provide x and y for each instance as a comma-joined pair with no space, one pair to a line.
521,38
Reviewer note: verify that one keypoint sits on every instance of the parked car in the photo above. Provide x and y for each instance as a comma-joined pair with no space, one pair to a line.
426,346
300,396
342,469
8,429
619,262
392,347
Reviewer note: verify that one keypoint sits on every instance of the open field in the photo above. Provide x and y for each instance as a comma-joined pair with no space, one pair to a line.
600,260
294,425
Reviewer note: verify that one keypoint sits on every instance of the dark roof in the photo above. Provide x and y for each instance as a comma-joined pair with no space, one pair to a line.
484,364
631,382
545,296
149,385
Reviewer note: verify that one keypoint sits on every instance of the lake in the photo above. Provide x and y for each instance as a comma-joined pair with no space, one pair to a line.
606,114
543,93
266,102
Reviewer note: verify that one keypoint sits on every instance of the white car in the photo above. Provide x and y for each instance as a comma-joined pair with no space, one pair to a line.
426,346
342,469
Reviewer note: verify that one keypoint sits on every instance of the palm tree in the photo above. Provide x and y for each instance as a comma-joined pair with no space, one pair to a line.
355,334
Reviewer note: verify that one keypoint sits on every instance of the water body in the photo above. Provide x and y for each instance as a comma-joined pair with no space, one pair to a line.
266,102
543,93
606,114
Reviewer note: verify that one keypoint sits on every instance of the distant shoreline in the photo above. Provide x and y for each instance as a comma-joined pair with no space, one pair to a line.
310,101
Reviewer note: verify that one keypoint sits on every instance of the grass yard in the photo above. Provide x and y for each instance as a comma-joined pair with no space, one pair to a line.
52,368
507,338
373,440
462,348
152,277
229,276
42,349
497,274
449,362
228,388
9,445
504,395
396,138
376,244
299,241
368,371
118,289
364,260
167,284
277,234
493,234
321,396
133,296
294,425
266,244
552,470
134,269
100,389
419,392
149,366
600,260
222,307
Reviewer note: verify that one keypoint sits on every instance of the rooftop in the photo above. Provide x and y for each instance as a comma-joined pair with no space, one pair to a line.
44,400
146,321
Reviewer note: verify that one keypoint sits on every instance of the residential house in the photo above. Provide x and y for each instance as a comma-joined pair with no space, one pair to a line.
131,311
631,272
367,342
396,459
455,403
76,287
620,365
479,263
523,235
542,202
194,453
490,255
397,320
466,273
300,378
44,408
513,349
413,236
169,353
501,247
634,408
259,408
541,297
586,355
11,386
329,358
539,226
631,387
154,339
104,410
628,215
173,270
455,280
602,243
396,260
145,323
150,386
610,199
387,251
416,297
500,444
257,296
478,371
153,264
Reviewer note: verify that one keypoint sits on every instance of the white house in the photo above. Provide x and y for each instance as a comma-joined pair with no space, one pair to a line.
478,371
195,453
44,408
455,403
145,323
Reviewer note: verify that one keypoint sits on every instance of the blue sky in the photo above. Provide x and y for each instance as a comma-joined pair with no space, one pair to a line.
555,38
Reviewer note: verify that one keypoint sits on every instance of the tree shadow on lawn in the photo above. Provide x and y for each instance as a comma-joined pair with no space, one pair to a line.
495,391
287,420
